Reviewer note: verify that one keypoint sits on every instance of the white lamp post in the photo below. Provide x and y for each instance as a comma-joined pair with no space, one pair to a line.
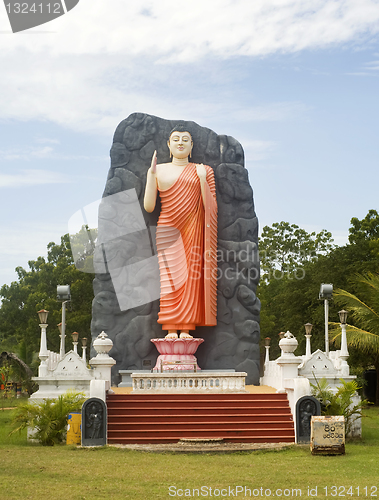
281,336
43,352
308,329
64,295
84,348
267,347
343,318
75,337
59,325
326,293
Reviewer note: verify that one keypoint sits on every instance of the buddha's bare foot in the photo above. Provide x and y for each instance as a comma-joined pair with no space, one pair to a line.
171,335
185,335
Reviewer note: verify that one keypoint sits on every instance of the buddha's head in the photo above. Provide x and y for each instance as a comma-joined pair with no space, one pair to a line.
180,142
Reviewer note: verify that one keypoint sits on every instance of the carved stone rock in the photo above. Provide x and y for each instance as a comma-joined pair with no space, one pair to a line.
94,422
306,408
124,258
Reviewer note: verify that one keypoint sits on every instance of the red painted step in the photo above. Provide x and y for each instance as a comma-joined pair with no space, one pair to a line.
166,418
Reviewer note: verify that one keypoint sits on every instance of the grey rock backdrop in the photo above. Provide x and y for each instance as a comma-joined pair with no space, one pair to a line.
234,342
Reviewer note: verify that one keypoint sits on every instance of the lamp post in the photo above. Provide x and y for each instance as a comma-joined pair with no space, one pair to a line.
64,295
344,351
326,293
59,325
281,336
84,348
308,329
75,337
43,352
267,347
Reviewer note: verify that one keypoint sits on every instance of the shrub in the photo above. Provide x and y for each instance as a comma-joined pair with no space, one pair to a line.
340,402
48,418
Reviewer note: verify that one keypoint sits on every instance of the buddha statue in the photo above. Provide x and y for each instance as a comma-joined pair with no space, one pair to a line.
186,237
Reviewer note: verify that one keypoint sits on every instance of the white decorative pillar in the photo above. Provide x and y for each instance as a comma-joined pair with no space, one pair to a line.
84,349
43,352
308,329
289,368
75,337
281,336
344,353
102,363
344,350
267,347
288,361
308,352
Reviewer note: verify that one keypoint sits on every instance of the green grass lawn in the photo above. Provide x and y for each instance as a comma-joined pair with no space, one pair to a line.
66,472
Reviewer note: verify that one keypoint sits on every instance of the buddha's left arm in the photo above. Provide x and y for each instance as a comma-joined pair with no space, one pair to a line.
211,182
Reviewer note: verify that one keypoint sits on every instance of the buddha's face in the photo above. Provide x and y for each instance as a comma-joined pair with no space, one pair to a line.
180,144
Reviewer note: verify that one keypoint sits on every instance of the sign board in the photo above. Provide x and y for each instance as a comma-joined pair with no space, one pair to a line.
328,435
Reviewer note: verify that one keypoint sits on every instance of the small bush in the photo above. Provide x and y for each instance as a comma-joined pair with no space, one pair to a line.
49,418
341,402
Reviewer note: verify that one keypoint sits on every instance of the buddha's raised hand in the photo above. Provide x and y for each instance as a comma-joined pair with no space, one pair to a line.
153,167
201,171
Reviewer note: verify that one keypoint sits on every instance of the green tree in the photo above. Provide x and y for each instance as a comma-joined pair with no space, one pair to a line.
363,332
290,298
364,240
366,229
290,281
284,247
36,289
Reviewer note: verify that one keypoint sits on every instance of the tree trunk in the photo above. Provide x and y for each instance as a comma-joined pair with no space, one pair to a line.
376,364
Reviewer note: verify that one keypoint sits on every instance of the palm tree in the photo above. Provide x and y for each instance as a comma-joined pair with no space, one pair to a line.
365,314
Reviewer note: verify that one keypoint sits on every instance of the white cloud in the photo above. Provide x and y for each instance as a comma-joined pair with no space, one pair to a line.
24,242
277,111
43,153
368,69
32,178
47,140
28,239
104,60
218,27
31,153
372,66
257,150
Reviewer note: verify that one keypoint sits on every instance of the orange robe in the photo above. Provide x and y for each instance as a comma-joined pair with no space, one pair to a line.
187,252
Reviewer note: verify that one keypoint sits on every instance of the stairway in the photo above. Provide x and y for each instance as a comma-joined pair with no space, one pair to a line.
166,418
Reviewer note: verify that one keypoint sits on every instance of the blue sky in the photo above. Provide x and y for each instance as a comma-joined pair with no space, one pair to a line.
295,82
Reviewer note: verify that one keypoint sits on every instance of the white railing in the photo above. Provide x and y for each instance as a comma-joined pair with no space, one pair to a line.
52,360
272,375
216,382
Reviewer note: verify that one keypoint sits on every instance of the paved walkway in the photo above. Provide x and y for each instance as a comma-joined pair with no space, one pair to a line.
203,447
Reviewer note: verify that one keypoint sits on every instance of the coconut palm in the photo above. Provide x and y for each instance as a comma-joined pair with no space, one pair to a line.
364,310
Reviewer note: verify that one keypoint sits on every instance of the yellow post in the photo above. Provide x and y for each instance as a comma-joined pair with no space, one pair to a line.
74,428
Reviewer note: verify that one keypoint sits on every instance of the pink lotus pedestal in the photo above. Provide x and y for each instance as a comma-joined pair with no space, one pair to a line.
176,350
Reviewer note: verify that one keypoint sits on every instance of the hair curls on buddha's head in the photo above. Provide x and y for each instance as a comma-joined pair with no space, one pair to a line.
181,127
